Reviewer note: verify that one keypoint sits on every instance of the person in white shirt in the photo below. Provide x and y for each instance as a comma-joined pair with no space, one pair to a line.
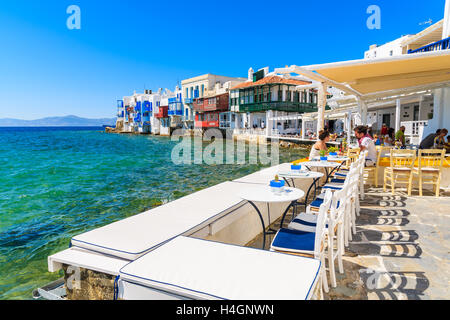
321,144
366,143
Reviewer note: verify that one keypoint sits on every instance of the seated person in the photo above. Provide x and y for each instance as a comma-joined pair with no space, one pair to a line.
447,145
400,136
321,144
389,138
439,141
384,129
366,143
376,140
428,142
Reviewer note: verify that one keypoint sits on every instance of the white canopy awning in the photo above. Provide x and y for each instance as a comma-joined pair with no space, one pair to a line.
368,77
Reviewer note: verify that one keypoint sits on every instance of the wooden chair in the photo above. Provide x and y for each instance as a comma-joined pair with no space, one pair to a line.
429,170
307,244
400,170
372,172
353,154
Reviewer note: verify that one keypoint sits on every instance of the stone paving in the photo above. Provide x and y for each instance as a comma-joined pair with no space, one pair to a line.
401,250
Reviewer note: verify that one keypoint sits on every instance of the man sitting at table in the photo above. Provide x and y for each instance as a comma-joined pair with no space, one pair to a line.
366,143
428,142
400,136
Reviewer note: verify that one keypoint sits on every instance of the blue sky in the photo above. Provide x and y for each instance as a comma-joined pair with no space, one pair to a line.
48,70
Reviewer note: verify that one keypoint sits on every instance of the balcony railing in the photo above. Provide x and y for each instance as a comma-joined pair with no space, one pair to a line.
287,106
250,131
175,112
217,103
206,124
188,100
146,107
443,44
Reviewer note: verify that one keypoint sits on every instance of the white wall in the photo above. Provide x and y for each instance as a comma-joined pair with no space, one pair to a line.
406,113
389,49
441,116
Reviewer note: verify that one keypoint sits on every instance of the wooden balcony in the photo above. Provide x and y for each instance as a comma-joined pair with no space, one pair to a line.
162,112
207,120
287,106
216,103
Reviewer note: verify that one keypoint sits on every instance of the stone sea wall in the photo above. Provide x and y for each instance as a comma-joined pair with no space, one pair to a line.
92,285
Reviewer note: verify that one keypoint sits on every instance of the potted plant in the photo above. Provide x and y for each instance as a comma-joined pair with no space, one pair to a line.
322,154
277,185
332,151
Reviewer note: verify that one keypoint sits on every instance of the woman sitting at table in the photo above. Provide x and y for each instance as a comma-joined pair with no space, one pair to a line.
389,138
321,144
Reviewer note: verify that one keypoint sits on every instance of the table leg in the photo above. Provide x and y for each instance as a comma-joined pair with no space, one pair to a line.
287,182
286,211
309,190
262,223
328,175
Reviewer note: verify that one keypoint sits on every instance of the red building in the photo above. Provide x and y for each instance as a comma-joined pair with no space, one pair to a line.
208,109
161,112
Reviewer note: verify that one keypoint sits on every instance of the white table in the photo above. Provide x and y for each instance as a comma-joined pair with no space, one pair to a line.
302,174
259,193
323,164
334,158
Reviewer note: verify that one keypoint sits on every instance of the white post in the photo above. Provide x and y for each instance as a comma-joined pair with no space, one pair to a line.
398,107
268,124
362,110
303,128
421,101
349,126
321,103
441,108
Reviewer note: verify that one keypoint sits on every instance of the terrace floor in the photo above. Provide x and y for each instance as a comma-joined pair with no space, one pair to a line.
401,250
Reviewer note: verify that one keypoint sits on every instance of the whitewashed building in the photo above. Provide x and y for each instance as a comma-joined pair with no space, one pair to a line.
199,87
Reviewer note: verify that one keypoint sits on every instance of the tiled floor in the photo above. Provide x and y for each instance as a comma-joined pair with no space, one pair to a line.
401,249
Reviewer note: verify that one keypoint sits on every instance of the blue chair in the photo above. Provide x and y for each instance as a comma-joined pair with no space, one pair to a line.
304,243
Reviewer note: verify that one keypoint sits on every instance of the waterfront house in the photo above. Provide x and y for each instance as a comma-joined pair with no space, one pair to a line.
270,104
213,106
136,113
120,114
128,123
200,87
175,112
162,113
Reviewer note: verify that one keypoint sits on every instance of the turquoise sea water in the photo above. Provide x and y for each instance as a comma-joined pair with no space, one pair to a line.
59,182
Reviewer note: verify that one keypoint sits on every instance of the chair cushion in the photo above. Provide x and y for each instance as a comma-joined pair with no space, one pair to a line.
304,222
293,240
332,187
336,180
340,174
318,202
